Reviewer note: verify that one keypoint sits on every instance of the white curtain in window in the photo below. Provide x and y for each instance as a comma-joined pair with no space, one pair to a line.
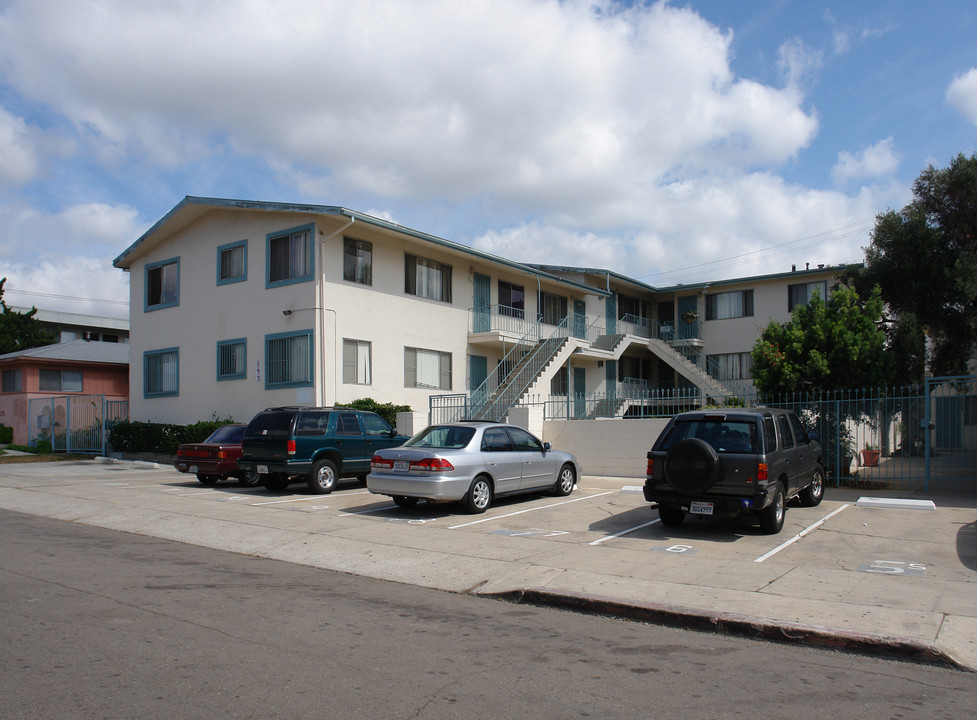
167,372
363,363
428,369
298,359
428,279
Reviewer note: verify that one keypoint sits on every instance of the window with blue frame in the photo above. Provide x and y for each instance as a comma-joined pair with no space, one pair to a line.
161,373
162,284
288,359
232,263
231,359
290,256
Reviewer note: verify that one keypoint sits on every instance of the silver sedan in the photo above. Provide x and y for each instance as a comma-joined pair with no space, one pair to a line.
473,462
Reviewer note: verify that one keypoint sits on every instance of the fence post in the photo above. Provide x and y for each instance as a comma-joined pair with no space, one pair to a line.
927,421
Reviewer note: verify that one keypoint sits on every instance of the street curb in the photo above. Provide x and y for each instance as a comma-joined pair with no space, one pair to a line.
723,623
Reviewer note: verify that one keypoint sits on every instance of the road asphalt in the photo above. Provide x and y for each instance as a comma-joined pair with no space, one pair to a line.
869,570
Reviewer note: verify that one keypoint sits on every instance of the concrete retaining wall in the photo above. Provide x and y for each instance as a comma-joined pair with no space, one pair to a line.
610,447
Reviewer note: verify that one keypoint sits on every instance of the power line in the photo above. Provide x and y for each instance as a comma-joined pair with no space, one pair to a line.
63,297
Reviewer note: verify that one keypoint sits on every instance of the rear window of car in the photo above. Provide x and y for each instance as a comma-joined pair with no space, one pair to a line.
227,434
277,423
442,436
726,436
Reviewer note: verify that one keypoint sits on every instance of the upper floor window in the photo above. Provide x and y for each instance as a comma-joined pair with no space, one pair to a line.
552,308
59,380
232,262
730,366
163,284
288,359
290,256
427,278
512,300
358,261
801,294
722,306
13,380
161,373
427,369
357,362
231,358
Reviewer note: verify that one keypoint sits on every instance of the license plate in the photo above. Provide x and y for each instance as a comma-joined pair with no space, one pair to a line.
262,469
401,466
192,469
700,508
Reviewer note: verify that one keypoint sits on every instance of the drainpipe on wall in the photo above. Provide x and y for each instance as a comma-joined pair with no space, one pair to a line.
321,310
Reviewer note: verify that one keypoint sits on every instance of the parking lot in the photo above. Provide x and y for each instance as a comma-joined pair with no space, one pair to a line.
903,572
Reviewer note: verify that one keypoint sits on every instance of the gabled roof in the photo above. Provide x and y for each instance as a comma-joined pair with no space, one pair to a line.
76,351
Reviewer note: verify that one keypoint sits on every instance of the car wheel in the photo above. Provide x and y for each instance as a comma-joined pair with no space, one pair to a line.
772,517
479,495
691,466
565,481
322,477
208,480
670,515
812,494
404,501
250,478
275,481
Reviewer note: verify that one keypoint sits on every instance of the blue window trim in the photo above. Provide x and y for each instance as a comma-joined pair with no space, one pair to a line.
150,266
145,373
304,383
244,362
310,249
231,246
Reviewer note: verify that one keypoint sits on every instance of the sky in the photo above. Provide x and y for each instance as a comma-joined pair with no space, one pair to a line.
672,142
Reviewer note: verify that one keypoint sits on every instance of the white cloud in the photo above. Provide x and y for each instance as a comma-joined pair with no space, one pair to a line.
878,160
69,284
962,95
20,162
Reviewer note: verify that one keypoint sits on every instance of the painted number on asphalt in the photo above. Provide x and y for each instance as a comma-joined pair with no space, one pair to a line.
893,567
677,549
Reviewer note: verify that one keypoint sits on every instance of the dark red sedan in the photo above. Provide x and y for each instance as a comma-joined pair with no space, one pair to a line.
216,457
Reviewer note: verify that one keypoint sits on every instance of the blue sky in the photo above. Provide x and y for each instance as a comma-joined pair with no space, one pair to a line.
673,142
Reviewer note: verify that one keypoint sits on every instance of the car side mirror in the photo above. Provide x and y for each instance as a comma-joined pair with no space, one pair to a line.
546,447
812,435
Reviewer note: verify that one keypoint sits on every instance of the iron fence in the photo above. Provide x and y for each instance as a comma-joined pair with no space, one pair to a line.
74,423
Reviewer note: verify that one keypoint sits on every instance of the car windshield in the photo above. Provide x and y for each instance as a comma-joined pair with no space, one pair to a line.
227,434
270,424
442,436
726,436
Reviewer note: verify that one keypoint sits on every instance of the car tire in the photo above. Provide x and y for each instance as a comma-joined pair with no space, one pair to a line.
404,501
670,515
772,516
691,466
479,496
322,477
275,482
208,480
249,478
565,481
811,495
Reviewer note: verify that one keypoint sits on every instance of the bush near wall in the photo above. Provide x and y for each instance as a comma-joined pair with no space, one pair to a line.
6,434
387,411
150,437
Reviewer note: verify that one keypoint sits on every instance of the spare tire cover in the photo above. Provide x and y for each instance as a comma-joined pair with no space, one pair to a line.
691,466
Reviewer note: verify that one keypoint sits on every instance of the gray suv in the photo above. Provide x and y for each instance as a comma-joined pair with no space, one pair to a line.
727,462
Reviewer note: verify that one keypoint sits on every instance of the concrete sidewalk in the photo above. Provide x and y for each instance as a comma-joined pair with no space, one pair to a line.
918,600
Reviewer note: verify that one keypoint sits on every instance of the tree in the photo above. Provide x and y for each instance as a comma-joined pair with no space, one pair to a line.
20,331
833,345
924,259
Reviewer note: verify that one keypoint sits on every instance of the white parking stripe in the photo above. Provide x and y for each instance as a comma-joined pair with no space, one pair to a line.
367,512
802,533
625,532
278,502
520,512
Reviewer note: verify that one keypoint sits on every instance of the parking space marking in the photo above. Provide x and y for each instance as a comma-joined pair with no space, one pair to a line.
625,532
203,492
520,512
802,533
367,512
279,502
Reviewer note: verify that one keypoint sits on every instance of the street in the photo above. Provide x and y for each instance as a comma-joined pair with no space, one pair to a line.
103,624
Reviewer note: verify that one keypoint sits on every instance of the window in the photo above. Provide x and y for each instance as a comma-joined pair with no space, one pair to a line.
552,308
802,294
357,362
163,284
288,359
632,310
427,369
312,422
512,300
427,279
161,373
232,263
290,256
232,359
496,440
523,441
358,261
799,432
723,306
560,384
786,439
13,380
769,434
375,426
348,424
730,366
59,380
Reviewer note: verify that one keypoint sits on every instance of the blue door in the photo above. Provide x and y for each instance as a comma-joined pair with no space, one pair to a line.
482,303
579,319
579,392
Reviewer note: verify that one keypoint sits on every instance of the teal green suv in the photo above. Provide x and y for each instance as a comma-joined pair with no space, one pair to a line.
315,445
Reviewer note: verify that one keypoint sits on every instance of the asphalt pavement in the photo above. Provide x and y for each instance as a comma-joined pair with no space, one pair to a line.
868,571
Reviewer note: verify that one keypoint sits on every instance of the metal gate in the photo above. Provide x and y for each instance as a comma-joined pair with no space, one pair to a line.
74,423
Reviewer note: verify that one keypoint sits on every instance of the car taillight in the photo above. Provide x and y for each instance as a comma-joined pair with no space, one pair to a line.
290,446
761,471
651,467
378,462
432,465
222,454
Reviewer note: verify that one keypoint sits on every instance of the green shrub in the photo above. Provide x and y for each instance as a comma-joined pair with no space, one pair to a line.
161,438
387,411
6,434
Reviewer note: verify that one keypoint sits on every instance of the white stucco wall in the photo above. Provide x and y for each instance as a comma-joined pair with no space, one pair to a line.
611,447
